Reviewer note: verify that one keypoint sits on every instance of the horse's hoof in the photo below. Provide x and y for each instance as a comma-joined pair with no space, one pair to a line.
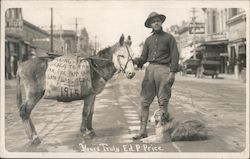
89,134
92,133
36,141
83,130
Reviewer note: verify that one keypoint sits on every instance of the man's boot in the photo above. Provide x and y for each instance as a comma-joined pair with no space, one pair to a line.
143,129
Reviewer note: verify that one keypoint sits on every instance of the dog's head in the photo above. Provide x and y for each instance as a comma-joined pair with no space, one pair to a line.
159,117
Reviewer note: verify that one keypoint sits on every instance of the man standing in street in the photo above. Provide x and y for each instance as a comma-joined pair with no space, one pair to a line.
160,50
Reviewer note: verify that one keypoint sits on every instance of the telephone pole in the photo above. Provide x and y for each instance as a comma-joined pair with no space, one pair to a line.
76,39
193,10
95,43
51,32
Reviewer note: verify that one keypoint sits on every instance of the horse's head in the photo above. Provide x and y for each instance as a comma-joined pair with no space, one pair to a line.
122,57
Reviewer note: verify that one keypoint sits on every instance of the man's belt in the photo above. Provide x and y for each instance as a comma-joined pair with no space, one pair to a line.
156,63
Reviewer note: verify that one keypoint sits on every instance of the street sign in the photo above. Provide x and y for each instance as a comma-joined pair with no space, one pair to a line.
197,28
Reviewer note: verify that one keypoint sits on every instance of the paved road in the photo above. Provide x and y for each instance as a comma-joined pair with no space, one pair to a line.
220,103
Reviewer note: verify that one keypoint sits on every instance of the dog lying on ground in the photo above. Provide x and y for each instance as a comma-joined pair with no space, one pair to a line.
167,129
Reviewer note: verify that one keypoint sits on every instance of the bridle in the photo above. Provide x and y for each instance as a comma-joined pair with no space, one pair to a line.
96,68
129,59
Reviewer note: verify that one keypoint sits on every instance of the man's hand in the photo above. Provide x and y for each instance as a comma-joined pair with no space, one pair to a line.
137,62
171,78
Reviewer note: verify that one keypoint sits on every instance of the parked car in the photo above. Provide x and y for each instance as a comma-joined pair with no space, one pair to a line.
210,68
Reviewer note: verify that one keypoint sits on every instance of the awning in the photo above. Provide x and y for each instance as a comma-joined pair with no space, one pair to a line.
215,42
210,62
28,43
8,39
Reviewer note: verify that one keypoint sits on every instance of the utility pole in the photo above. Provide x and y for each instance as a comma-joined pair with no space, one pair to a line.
77,21
76,35
61,40
194,29
51,32
95,44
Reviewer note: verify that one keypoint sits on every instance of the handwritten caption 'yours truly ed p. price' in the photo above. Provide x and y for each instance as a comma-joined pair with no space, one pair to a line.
104,147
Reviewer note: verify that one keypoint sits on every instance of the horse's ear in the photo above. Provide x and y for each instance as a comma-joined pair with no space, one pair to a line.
129,41
121,41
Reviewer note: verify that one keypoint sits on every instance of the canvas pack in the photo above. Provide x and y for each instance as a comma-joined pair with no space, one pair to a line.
68,78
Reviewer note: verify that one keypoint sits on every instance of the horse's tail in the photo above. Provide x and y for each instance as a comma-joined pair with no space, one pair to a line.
19,92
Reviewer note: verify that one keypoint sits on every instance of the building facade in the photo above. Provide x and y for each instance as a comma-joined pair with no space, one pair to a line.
216,40
226,38
236,23
22,40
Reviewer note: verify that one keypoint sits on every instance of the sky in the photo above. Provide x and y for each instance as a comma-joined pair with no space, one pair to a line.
108,19
105,19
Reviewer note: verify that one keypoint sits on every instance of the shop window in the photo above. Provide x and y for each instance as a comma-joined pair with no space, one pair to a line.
242,49
233,55
7,14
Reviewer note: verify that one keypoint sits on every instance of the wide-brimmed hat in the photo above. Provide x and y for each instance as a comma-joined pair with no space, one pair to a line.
152,15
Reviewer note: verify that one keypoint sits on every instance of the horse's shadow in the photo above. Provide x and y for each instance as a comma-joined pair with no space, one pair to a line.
102,136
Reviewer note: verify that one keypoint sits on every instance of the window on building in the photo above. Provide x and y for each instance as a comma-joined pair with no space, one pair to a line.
240,10
242,56
7,14
12,13
225,14
214,22
234,12
222,21
242,49
16,13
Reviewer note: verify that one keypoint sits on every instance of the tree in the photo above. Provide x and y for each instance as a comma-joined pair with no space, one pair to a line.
84,42
174,29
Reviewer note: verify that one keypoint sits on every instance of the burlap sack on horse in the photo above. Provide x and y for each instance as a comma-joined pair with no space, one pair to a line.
68,78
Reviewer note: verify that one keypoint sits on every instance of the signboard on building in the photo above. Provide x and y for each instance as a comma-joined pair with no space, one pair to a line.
14,24
197,28
219,36
13,19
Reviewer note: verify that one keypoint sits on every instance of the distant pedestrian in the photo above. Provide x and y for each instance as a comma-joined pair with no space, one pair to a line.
160,50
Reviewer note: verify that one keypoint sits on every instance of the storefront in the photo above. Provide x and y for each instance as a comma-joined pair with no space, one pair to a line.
216,51
12,55
237,56
19,41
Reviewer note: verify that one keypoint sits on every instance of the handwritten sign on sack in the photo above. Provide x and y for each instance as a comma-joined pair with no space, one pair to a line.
68,78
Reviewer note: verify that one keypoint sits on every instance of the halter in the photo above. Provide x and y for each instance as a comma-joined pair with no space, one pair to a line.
129,59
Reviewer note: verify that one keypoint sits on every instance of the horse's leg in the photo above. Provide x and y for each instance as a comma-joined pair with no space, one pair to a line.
89,121
86,113
25,111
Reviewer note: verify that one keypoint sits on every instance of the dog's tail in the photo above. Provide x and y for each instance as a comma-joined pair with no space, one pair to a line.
189,131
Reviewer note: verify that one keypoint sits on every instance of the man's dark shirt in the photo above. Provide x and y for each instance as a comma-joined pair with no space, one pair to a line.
160,48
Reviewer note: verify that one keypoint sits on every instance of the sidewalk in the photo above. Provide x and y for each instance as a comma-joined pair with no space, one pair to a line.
221,78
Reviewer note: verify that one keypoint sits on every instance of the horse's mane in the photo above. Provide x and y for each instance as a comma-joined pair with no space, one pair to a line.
105,53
